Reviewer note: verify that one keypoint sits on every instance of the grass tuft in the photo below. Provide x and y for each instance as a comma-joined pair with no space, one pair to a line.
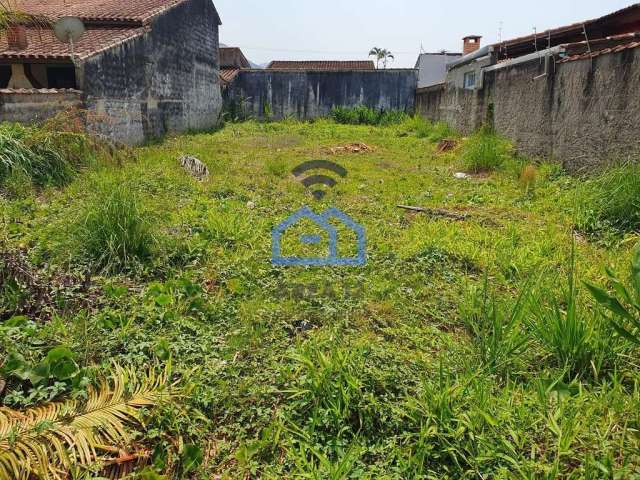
115,234
484,151
611,201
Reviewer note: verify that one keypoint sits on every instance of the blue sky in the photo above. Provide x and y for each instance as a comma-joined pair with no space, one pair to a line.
347,29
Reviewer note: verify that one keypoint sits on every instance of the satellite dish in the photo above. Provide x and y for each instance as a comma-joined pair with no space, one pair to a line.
69,29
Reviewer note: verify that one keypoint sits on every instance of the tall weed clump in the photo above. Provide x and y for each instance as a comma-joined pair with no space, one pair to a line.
115,233
484,151
577,337
41,154
611,201
362,115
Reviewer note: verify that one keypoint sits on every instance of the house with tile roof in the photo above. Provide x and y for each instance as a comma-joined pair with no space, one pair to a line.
141,68
232,60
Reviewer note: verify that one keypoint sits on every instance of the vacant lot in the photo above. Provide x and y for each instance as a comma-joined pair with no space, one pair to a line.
467,347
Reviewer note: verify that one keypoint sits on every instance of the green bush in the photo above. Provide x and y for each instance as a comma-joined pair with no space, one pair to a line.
611,201
115,234
484,151
362,115
44,156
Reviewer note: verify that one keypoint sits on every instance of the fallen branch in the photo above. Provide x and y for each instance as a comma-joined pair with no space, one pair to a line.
437,212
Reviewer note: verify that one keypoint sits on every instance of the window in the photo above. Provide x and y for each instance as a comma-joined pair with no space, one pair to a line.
61,77
470,80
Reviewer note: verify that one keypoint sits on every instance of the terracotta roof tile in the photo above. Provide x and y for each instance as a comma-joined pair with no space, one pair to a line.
577,27
322,65
597,53
228,74
105,10
42,43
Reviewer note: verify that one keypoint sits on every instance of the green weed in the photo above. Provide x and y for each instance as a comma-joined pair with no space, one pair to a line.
611,201
484,151
114,233
577,337
366,116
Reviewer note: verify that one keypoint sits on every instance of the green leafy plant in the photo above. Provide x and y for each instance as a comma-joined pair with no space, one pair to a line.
577,337
11,14
49,440
363,115
498,336
484,151
624,306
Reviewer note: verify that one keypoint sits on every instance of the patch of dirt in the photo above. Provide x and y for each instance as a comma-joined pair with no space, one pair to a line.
447,145
352,148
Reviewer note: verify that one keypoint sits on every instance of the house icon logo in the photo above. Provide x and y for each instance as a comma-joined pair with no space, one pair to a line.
322,221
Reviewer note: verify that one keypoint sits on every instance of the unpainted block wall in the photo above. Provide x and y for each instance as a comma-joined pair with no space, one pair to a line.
165,81
35,107
310,94
583,114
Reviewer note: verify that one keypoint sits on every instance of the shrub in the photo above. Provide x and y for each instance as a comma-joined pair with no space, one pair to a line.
114,232
484,151
611,201
363,115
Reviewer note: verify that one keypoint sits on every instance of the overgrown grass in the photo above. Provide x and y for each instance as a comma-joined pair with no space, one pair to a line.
114,233
363,115
454,353
484,151
611,201
42,155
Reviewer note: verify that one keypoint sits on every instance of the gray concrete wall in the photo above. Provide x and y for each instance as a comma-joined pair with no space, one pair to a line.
35,106
432,67
165,81
311,94
583,114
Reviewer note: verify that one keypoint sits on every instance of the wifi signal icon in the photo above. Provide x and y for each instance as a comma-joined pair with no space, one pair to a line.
313,180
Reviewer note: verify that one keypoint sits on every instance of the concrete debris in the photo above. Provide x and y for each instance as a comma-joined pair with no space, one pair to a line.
352,148
194,167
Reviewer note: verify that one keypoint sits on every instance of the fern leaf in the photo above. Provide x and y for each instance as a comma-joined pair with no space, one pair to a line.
47,441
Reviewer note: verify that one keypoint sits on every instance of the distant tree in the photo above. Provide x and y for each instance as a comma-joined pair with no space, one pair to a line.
382,55
11,15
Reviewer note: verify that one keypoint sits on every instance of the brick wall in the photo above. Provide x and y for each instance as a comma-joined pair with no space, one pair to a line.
312,94
165,81
582,114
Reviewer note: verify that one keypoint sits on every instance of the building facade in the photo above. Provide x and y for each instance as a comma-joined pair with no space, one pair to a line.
140,70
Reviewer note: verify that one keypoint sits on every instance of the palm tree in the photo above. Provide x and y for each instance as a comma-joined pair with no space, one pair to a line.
11,15
381,54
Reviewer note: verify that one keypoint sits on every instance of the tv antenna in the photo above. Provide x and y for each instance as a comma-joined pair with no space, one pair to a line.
69,30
